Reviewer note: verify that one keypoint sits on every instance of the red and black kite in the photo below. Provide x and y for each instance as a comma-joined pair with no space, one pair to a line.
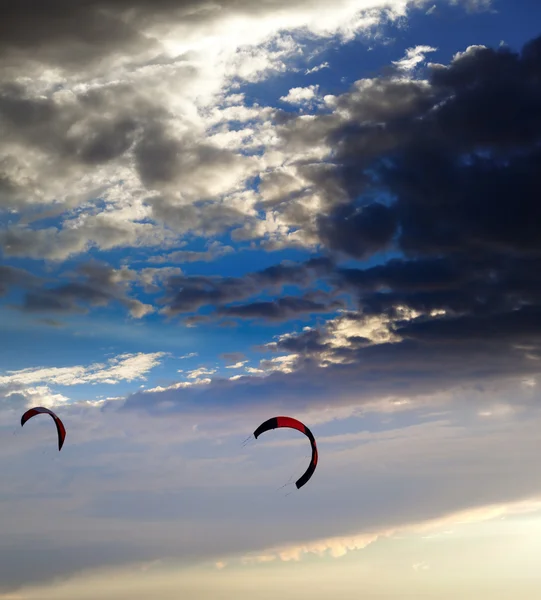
59,425
276,422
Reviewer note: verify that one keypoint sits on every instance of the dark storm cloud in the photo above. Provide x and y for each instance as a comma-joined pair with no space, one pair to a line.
447,153
358,232
519,327
461,161
402,275
459,285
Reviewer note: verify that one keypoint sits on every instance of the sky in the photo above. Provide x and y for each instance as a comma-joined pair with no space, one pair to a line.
213,213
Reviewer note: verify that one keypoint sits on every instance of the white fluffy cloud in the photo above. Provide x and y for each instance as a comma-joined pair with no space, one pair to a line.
125,367
301,95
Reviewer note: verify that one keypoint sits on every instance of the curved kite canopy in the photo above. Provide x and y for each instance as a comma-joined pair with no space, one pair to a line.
59,425
276,422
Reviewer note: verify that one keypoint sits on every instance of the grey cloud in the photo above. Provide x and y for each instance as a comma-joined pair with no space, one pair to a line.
358,232
411,367
185,294
66,33
200,218
384,100
152,278
106,123
308,343
281,309
14,277
49,243
76,129
72,34
519,327
100,286
195,320
233,357
162,159
410,275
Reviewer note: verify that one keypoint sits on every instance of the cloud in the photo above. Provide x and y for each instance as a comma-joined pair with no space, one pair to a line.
301,95
358,232
151,278
14,395
121,472
215,250
414,56
107,116
233,357
13,277
100,286
133,141
237,365
282,309
189,293
461,305
91,283
324,65
125,367
340,546
196,373
361,364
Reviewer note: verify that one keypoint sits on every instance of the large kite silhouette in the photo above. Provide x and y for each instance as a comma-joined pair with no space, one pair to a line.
276,422
59,425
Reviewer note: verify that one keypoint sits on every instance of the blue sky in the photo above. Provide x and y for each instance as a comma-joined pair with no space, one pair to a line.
214,215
